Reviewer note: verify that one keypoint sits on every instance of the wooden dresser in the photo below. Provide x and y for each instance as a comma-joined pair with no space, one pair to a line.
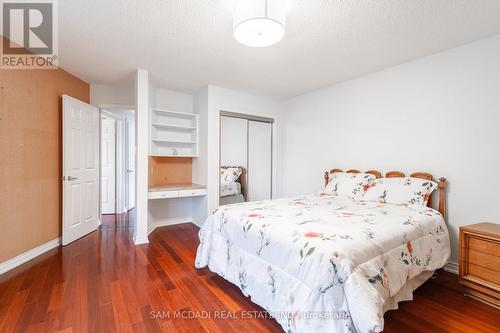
480,262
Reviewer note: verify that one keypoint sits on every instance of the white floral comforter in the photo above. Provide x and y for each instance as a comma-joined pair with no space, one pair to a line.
324,263
230,188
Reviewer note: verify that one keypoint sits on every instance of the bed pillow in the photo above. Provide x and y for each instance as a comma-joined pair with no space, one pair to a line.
407,190
229,175
348,184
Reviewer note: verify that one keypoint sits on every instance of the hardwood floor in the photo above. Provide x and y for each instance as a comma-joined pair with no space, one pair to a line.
103,283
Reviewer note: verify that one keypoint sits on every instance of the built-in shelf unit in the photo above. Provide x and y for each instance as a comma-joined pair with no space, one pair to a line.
173,134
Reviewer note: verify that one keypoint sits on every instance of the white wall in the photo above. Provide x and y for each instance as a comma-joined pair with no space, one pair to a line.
173,100
142,102
117,95
439,114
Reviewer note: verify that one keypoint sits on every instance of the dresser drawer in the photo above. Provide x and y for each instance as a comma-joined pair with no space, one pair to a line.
483,245
483,259
192,193
163,194
484,274
480,262
176,193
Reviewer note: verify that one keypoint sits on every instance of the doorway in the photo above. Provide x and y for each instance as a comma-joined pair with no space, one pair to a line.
108,164
117,146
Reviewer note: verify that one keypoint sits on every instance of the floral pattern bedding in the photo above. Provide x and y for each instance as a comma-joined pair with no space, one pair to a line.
324,263
230,188
229,174
348,184
407,190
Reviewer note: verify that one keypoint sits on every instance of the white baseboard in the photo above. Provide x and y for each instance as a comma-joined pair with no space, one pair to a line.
27,256
141,240
153,226
451,267
197,222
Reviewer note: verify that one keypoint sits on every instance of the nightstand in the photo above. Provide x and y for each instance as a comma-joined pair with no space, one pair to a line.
480,262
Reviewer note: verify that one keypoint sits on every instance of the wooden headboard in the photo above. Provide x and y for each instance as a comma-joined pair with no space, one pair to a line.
397,174
242,179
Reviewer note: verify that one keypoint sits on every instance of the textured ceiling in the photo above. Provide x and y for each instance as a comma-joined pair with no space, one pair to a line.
186,44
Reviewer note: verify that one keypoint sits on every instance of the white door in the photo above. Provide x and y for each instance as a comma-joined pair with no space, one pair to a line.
130,160
259,160
108,165
233,141
80,169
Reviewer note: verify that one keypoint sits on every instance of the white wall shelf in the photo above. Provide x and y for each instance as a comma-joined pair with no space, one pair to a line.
173,141
187,128
173,133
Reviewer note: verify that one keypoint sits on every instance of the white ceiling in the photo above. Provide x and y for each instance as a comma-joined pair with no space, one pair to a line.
186,44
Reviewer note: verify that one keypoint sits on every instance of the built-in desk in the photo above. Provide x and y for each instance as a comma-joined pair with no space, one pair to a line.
176,191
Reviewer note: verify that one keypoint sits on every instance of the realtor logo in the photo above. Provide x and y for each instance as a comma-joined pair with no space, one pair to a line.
29,34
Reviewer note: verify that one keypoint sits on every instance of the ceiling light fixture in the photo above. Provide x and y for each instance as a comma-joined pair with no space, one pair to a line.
259,23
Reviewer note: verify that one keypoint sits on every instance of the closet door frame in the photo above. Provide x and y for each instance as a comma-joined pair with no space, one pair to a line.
273,120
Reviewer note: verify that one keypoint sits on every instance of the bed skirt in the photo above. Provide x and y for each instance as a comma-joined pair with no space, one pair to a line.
294,305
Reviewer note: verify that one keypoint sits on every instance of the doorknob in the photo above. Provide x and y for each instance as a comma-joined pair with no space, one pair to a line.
72,178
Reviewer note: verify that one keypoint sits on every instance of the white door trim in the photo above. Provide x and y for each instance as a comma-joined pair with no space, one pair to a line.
121,155
119,167
116,107
109,164
129,165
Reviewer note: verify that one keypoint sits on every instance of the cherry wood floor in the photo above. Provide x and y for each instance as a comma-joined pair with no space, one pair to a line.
103,283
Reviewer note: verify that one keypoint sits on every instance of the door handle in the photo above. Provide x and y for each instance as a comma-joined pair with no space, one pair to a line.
130,171
72,178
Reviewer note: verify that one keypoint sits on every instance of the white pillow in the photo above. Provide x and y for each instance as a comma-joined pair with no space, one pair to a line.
348,184
229,175
407,190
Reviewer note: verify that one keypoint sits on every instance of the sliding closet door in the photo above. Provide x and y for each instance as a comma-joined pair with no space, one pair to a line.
233,137
259,160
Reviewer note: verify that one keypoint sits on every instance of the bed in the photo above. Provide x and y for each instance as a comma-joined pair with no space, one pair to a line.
327,263
233,191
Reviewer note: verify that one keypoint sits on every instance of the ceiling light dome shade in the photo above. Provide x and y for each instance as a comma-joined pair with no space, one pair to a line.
259,23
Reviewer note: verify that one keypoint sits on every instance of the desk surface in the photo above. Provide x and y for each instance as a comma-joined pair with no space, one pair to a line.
176,187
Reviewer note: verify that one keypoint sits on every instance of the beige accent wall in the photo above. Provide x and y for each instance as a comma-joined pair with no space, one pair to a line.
30,156
170,170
